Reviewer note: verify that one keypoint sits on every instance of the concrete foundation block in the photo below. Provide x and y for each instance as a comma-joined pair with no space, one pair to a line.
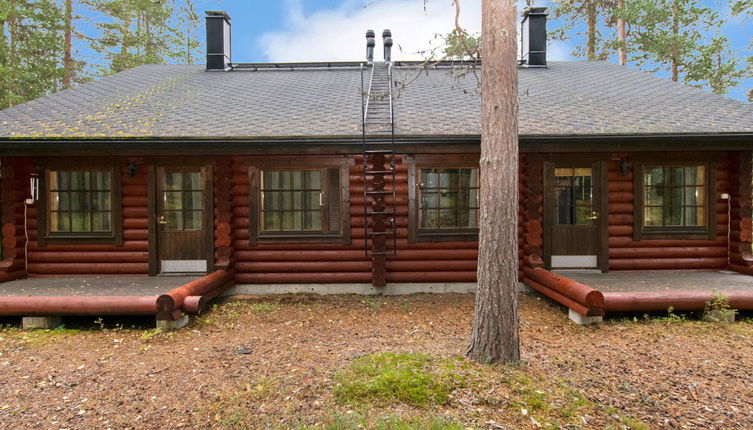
172,325
581,320
43,323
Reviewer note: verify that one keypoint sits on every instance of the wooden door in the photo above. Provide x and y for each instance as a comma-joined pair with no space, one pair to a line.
573,214
183,213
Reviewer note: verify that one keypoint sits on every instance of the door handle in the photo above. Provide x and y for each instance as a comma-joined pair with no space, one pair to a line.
161,220
594,215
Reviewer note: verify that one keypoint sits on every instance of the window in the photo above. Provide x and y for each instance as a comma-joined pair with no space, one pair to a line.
183,196
448,202
291,200
80,204
573,196
674,199
80,201
674,196
298,203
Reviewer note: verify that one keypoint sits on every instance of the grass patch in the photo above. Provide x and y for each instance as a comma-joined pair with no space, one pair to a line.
230,312
384,422
388,378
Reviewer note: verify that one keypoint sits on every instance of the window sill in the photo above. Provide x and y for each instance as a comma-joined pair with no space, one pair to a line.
80,240
441,236
694,234
300,238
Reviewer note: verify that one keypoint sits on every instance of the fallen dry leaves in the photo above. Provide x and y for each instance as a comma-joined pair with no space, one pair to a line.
277,356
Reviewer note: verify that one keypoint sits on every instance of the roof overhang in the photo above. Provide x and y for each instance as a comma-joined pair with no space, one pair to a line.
353,144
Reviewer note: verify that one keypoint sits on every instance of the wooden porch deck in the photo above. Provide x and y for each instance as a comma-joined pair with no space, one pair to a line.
662,281
593,294
169,298
78,286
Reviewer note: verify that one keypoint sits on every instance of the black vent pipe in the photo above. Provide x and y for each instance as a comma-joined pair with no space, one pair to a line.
370,43
387,38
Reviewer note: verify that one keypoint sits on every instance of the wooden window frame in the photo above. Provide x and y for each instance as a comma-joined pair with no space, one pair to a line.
113,237
706,231
436,161
322,163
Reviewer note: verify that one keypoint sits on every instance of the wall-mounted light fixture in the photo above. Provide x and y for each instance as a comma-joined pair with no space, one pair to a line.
33,189
624,167
132,169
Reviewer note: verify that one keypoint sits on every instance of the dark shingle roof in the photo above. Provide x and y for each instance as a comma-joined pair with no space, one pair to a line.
568,98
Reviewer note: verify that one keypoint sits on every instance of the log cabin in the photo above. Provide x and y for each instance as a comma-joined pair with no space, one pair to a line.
293,175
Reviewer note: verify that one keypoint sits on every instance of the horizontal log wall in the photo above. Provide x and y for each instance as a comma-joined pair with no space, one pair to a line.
741,259
132,258
15,189
426,261
625,253
299,263
270,263
531,210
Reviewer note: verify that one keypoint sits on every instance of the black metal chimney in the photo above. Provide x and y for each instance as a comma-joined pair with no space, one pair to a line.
387,38
533,37
370,43
218,40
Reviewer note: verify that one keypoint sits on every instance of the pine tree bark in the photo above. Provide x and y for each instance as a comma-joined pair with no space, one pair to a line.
621,36
495,336
591,22
675,32
68,45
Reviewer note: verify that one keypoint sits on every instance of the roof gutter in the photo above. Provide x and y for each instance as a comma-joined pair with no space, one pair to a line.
349,144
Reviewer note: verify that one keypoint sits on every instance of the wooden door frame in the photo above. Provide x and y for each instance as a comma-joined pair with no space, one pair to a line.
153,232
600,167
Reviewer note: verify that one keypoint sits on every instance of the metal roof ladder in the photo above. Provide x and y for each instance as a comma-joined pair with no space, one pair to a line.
379,185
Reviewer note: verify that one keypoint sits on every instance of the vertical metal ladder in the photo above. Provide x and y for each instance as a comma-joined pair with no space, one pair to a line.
379,212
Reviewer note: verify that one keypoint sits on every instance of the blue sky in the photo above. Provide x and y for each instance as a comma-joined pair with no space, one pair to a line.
311,30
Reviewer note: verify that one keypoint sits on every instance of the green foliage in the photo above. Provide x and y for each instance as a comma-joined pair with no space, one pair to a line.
672,37
459,45
31,46
389,378
36,59
680,37
718,310
388,422
596,15
745,8
144,32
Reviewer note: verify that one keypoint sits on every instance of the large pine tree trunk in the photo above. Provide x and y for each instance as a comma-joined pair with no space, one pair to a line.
68,53
495,325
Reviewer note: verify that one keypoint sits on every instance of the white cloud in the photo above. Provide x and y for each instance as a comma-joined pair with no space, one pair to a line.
338,34
559,50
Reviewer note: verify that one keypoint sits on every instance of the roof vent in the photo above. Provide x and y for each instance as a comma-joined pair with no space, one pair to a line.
370,43
533,37
387,38
218,40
